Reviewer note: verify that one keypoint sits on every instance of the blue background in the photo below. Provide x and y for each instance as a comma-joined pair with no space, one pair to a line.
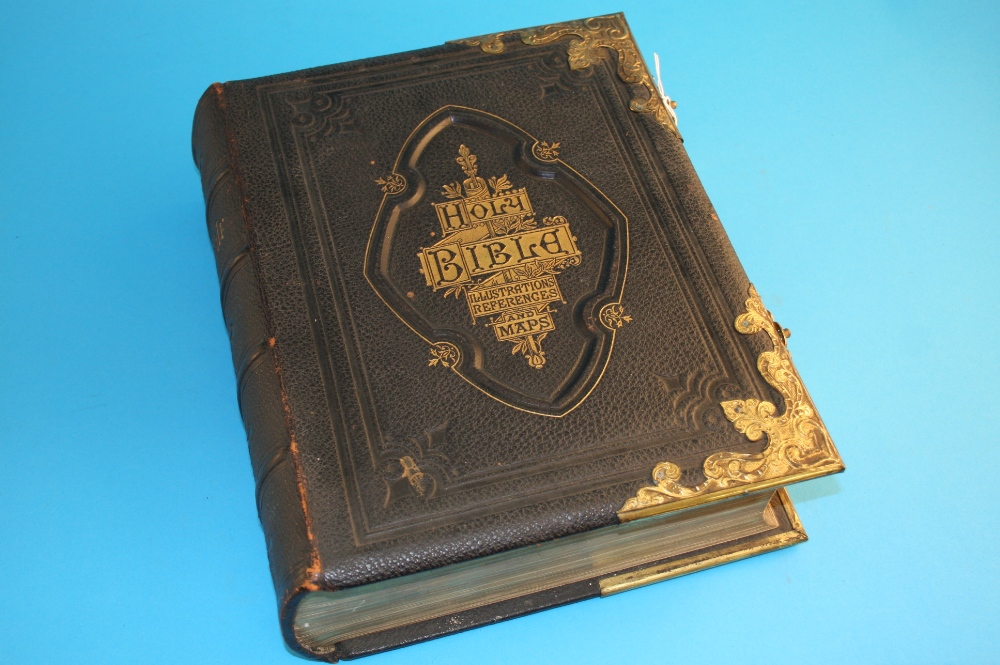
852,152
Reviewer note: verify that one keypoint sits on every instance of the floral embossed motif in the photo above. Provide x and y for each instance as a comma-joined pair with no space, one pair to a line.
545,151
613,316
444,353
392,184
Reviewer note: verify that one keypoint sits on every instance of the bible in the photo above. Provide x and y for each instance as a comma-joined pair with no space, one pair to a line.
494,352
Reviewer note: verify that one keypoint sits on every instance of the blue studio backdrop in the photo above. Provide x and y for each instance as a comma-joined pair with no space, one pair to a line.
852,151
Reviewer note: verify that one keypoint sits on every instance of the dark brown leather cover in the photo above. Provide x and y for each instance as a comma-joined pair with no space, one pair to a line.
335,378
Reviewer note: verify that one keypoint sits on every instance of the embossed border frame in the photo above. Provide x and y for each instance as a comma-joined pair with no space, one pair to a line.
663,209
554,170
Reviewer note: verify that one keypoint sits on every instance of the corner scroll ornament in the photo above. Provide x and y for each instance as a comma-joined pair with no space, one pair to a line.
591,35
607,32
392,183
797,441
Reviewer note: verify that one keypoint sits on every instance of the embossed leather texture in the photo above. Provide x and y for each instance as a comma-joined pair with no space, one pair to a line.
393,426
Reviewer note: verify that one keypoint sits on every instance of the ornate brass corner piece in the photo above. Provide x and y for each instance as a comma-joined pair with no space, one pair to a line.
798,444
488,43
607,32
591,38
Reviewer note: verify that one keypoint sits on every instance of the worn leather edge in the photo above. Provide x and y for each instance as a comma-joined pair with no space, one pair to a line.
281,492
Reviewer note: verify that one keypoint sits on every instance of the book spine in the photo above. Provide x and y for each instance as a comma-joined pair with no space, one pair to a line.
281,493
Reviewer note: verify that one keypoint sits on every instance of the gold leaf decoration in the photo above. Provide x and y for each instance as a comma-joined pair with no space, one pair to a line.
468,219
457,291
530,347
592,37
798,444
545,151
446,354
413,474
488,43
392,184
613,316
467,160
500,185
452,191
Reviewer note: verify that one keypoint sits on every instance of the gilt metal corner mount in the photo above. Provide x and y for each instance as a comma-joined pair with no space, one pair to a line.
591,39
798,444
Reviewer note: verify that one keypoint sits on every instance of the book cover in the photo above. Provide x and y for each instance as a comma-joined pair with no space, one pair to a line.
483,315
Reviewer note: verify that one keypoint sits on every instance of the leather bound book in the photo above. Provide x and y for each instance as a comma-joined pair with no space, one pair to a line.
494,351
